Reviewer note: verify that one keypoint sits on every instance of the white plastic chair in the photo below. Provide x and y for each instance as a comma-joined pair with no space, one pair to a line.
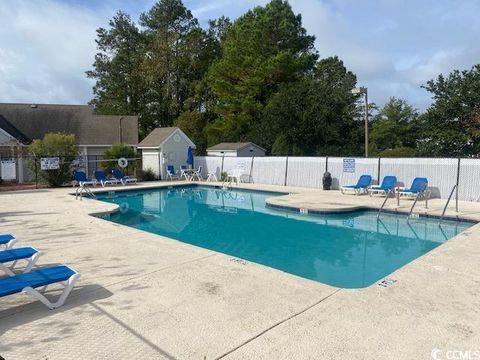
212,176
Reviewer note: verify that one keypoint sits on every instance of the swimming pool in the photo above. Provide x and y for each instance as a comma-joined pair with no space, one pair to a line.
350,250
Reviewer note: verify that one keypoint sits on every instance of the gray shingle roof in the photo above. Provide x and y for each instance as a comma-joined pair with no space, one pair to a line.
226,146
34,121
157,137
8,127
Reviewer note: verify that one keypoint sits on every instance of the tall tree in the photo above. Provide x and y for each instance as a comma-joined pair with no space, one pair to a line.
119,87
173,59
395,126
262,50
451,126
314,115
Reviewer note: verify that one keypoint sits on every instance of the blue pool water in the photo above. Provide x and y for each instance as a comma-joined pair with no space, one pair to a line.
351,250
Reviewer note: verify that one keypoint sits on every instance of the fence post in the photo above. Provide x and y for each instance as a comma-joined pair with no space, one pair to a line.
250,177
378,170
221,169
36,173
456,189
286,171
326,163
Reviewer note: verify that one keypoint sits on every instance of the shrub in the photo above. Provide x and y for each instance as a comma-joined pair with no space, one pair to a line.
54,145
146,175
117,151
398,152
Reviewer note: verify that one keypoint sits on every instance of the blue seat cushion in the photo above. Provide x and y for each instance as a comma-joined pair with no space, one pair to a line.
5,238
15,284
16,254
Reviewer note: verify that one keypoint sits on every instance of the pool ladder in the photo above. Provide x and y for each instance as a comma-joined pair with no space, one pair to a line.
383,205
446,204
84,189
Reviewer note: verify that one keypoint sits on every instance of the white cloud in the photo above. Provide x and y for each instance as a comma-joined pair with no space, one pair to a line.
46,47
392,46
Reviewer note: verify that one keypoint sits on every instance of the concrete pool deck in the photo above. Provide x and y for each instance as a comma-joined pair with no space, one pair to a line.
143,296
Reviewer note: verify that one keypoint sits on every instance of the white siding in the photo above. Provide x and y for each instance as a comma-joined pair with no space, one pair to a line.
151,160
222,153
173,153
4,138
256,151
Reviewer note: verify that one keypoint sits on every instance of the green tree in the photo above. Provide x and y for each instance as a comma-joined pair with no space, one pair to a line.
260,51
115,152
54,145
394,127
176,48
451,125
193,124
119,87
314,115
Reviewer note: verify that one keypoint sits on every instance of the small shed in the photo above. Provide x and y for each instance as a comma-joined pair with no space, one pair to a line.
162,147
236,149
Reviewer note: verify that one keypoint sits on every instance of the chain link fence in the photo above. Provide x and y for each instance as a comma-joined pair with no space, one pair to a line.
28,169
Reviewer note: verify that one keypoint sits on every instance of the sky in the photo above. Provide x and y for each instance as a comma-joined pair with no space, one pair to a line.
393,46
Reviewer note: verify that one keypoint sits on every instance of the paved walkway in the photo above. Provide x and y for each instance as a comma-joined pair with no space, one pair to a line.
143,296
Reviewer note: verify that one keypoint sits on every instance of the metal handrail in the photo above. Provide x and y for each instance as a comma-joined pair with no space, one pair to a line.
446,205
81,189
413,205
384,202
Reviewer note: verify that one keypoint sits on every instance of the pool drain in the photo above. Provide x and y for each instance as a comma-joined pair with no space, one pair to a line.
386,282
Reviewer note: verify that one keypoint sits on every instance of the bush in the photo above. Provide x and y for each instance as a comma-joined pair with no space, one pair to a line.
54,145
146,175
117,151
398,152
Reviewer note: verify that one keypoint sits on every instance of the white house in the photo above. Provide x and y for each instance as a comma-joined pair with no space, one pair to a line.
236,149
162,147
20,124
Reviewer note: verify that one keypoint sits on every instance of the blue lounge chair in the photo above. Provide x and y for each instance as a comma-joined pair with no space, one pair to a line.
361,187
171,173
103,179
29,254
81,179
419,188
7,240
388,185
28,283
118,174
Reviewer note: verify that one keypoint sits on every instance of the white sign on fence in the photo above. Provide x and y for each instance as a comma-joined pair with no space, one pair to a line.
349,165
8,170
51,163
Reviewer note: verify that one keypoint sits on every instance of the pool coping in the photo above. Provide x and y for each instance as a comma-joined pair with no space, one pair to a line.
307,210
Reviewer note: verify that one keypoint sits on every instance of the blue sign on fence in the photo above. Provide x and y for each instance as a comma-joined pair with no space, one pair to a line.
349,165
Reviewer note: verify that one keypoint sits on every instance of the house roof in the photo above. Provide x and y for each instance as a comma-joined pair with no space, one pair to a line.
34,121
159,135
11,130
227,146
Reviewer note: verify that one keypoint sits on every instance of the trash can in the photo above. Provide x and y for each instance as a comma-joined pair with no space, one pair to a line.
327,181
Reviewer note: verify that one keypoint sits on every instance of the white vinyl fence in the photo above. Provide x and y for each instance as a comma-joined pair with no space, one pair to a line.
442,174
